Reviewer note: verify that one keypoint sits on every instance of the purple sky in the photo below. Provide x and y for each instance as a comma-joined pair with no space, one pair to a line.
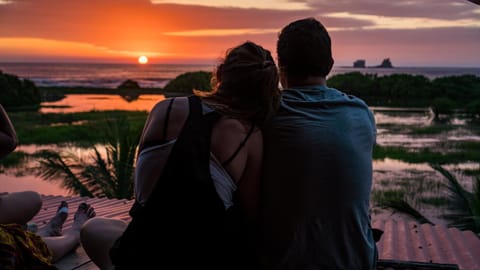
409,32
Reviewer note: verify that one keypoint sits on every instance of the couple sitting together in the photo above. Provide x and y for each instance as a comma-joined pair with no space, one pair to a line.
249,176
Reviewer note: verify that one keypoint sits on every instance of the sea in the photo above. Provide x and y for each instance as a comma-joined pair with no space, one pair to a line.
158,75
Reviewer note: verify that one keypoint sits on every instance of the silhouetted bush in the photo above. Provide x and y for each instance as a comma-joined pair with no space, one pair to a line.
129,84
16,92
354,83
459,88
442,105
408,90
473,108
186,82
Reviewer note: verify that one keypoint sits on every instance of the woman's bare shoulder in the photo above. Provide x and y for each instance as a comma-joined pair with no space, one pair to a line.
162,105
236,127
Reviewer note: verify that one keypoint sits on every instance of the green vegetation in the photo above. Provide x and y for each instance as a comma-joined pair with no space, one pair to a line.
384,195
13,160
466,151
185,83
473,108
97,175
411,90
60,91
435,201
463,205
78,128
398,204
101,173
442,105
15,92
433,129
181,85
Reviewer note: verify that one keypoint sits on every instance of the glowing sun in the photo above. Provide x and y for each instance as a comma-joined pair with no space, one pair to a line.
142,59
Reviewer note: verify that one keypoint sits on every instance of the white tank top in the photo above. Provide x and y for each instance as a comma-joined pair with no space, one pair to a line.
150,164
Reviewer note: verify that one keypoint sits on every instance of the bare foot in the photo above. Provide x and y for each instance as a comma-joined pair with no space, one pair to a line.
84,213
55,225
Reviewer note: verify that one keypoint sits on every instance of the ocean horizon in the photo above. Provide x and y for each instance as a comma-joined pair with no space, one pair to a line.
111,75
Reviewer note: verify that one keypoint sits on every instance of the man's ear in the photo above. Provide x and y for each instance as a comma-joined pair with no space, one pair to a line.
331,64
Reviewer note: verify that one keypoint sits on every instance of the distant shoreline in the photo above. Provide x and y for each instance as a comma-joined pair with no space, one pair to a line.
156,76
58,92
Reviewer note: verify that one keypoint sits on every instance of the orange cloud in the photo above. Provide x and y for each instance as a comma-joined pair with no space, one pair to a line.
203,30
51,47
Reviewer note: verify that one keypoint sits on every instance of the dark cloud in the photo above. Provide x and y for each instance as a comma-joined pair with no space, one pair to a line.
134,24
48,18
438,9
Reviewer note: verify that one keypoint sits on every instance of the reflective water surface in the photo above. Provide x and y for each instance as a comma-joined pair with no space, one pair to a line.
85,103
395,127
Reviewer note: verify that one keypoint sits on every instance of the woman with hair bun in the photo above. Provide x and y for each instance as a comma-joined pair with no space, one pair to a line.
197,176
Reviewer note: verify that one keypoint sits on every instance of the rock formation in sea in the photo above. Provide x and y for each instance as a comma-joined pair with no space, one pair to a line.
360,63
386,63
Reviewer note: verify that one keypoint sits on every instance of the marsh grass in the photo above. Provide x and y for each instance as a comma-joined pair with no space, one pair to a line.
105,172
380,196
462,152
14,160
438,201
432,129
461,199
395,128
75,128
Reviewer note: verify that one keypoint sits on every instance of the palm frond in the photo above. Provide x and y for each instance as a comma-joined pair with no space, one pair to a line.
400,205
475,1
100,171
54,167
458,197
464,205
108,174
121,150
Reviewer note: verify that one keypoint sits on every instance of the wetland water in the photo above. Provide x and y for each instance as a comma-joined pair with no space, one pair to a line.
409,128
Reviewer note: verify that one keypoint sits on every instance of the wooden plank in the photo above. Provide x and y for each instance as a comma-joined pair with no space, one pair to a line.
396,264
77,260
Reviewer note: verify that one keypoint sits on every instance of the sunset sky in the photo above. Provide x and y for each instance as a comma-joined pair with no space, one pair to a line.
409,32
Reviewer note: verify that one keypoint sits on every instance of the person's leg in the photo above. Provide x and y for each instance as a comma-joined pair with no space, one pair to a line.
61,245
98,236
19,207
55,225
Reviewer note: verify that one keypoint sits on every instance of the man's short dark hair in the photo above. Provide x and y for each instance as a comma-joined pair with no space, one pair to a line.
304,49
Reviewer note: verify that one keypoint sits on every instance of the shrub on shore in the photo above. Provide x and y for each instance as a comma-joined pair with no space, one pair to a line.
187,82
408,90
16,92
129,84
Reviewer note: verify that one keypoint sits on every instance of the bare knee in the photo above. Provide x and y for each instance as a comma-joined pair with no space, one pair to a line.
97,237
35,199
91,225
19,207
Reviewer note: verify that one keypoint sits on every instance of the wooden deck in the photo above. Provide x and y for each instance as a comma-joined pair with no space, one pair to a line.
110,208
403,240
77,259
